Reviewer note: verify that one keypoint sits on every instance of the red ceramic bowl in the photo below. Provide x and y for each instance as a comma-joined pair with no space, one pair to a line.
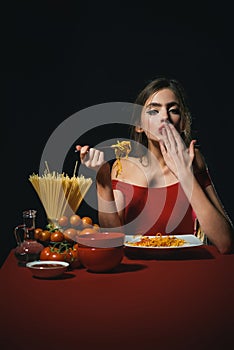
100,259
101,251
101,239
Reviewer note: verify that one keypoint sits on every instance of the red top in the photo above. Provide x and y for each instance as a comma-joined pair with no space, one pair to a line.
164,209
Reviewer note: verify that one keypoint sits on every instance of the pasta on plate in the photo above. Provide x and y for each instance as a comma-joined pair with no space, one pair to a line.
158,241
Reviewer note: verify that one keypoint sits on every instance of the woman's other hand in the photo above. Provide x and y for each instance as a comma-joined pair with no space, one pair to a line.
176,155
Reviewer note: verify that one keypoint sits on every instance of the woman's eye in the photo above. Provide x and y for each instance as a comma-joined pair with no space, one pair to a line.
152,112
174,111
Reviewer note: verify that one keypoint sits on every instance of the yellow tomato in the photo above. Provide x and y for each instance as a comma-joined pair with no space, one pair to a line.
63,221
70,234
96,227
75,220
87,230
86,221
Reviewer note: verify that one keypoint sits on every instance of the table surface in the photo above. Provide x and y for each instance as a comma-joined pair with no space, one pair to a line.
179,300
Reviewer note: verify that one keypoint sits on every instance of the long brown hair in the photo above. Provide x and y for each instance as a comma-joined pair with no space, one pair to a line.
150,89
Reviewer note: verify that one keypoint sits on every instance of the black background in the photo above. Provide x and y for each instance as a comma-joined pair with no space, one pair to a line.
59,57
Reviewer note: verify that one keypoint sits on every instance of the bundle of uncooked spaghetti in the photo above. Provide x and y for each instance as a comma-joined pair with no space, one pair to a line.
60,194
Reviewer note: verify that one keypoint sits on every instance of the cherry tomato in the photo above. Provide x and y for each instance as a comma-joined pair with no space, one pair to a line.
56,255
37,232
75,220
66,255
87,230
56,236
70,234
45,235
96,227
75,247
86,221
45,253
75,262
74,253
63,221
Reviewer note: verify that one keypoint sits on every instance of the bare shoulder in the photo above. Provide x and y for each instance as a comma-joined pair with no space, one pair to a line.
131,169
199,161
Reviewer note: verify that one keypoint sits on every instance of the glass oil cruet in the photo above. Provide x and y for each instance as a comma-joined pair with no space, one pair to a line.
28,248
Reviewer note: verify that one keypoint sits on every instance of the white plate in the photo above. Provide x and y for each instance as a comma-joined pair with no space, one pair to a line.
190,241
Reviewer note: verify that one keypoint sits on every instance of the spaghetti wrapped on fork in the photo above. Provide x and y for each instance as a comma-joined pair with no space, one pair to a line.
122,150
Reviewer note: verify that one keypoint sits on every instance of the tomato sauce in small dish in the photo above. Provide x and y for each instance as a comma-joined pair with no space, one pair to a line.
47,269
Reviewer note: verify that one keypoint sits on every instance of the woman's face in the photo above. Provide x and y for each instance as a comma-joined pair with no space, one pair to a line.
160,107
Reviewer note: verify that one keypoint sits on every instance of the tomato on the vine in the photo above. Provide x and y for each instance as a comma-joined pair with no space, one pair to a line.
37,232
75,263
62,251
67,255
74,253
57,236
75,246
51,253
45,235
56,255
45,253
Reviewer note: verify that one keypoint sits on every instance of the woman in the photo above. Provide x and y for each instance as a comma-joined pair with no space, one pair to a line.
165,187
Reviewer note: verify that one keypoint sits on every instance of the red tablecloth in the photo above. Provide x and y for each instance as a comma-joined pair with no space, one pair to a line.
185,301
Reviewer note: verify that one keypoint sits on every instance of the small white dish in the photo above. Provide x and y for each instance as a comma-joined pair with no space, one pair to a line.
47,268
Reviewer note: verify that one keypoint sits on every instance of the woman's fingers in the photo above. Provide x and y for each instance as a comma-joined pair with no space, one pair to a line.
82,149
162,147
168,138
78,147
94,157
174,151
177,137
90,157
83,152
171,137
191,149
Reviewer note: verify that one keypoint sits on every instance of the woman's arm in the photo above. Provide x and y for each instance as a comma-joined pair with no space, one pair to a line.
210,213
206,204
110,202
